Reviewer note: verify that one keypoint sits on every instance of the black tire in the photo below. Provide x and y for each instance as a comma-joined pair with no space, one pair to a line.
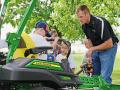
4,86
42,88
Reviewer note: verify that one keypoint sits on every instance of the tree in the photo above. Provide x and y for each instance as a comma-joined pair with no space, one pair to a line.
60,14
0,4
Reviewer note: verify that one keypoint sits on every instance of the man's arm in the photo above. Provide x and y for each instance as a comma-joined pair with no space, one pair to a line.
103,28
107,44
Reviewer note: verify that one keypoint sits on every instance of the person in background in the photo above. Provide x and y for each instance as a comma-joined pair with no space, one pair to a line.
38,36
54,38
88,45
86,65
53,33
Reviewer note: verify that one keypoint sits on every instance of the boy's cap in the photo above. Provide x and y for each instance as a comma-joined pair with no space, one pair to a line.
40,24
43,25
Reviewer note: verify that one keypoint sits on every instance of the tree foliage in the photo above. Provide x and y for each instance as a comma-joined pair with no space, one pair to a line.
61,15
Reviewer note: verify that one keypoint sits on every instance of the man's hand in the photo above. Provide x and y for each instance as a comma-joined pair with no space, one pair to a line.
107,44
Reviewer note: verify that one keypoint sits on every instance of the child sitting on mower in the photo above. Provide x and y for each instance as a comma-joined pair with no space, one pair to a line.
39,38
65,57
39,33
54,39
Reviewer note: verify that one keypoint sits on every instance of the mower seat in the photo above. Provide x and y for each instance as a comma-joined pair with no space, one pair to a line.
25,43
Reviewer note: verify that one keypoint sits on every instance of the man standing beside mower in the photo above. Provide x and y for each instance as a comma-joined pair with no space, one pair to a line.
100,33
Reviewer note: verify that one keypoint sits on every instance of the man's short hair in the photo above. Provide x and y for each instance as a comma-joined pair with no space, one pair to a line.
83,8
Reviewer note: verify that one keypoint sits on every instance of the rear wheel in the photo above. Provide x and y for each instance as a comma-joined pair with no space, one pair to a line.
42,88
24,86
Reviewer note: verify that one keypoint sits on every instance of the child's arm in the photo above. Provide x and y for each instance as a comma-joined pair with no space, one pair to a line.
59,57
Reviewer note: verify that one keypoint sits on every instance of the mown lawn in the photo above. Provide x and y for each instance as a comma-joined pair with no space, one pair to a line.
116,71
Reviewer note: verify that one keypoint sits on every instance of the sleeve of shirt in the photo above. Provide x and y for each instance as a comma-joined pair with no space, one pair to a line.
39,40
103,29
71,62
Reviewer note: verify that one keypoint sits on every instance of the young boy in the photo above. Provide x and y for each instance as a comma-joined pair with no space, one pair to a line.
65,55
88,45
87,62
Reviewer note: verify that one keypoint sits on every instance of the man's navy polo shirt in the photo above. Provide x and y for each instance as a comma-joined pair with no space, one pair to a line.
93,31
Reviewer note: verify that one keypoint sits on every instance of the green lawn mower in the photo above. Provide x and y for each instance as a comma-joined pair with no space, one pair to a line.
34,74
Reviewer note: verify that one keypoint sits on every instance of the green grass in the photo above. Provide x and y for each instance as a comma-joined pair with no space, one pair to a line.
116,71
